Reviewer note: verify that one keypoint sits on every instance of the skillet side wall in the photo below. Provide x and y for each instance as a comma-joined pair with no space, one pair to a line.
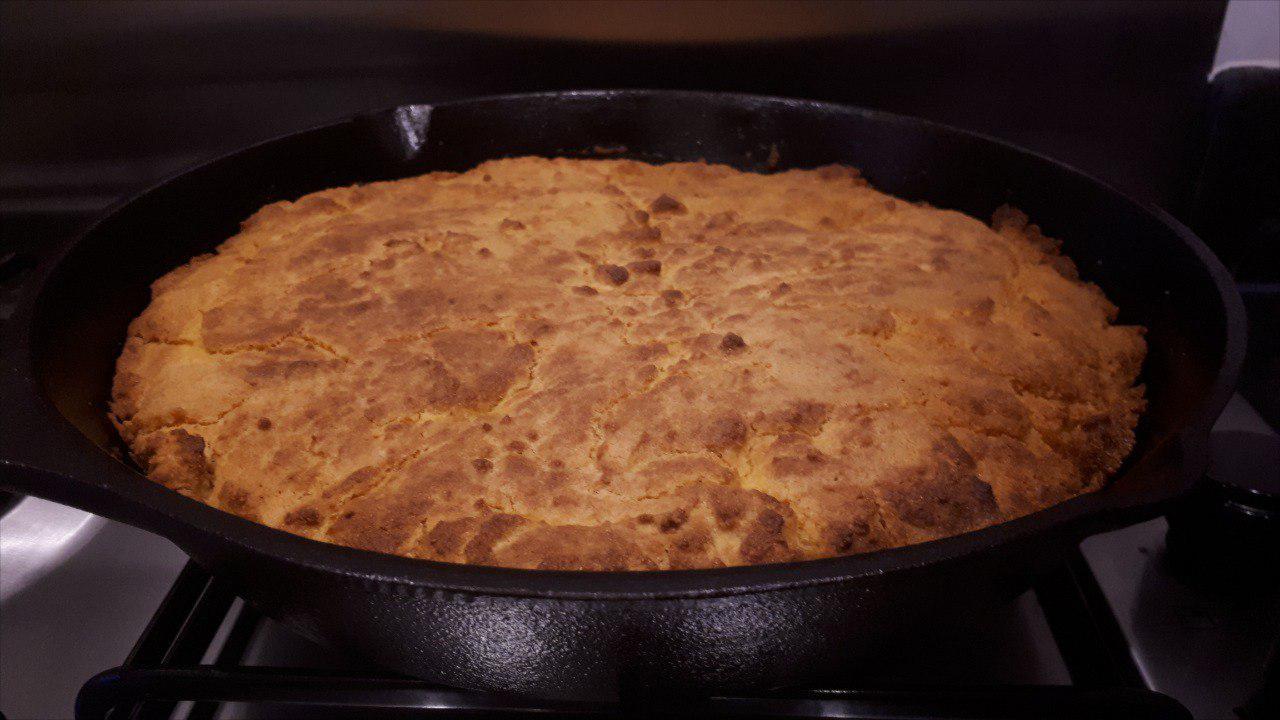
601,649
1146,264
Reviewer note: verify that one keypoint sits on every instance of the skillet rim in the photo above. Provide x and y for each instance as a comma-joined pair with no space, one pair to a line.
182,518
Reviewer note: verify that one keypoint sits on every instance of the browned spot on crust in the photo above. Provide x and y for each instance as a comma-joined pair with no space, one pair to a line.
876,322
615,274
644,233
648,267
237,501
807,416
980,311
764,541
726,431
479,551
351,482
721,219
943,494
732,342
664,203
303,517
727,505
673,520
176,459
990,410
447,539
856,528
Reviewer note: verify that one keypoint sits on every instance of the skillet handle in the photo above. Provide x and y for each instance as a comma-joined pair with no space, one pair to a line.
43,455
25,479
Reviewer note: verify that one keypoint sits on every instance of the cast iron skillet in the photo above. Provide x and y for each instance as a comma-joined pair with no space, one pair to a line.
592,634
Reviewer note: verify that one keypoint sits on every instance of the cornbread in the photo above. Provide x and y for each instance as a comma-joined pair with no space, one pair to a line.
611,365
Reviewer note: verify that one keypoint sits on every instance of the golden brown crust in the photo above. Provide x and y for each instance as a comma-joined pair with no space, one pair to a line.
605,365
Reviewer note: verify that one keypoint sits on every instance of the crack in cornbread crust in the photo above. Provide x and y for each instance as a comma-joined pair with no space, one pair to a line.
607,365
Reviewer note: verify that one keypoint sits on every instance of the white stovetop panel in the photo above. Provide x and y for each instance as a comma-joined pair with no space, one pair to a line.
79,617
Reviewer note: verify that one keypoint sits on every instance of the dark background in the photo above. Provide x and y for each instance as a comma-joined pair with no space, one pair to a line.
100,98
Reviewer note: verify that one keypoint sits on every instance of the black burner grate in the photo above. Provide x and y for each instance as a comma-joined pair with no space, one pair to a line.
165,670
